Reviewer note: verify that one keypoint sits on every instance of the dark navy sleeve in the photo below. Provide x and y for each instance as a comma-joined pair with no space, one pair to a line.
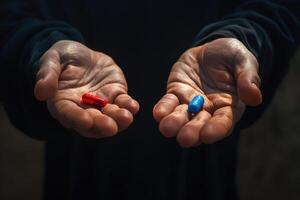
271,32
24,36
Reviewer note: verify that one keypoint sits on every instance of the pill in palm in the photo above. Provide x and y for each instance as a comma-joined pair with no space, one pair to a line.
92,100
196,104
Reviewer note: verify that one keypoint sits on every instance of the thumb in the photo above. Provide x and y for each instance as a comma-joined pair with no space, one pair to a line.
248,81
48,75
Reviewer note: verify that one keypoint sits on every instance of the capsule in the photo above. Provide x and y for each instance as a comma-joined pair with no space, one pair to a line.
196,104
92,100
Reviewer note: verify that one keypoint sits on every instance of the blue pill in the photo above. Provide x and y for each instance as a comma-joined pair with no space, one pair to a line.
196,104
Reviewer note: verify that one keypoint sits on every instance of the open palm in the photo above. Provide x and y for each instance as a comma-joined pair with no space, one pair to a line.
67,71
224,72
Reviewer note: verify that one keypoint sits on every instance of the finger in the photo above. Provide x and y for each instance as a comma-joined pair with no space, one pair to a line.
48,75
172,123
183,92
125,101
188,135
165,106
112,90
248,82
103,125
122,116
218,126
72,116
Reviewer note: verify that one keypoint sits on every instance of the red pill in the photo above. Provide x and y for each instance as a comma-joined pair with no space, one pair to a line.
92,100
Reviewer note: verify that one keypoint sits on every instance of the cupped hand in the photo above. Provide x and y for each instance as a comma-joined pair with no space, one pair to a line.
225,73
67,71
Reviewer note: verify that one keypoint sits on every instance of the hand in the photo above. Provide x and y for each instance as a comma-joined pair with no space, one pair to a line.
225,73
68,70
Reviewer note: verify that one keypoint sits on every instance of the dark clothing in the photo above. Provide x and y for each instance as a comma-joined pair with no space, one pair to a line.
145,38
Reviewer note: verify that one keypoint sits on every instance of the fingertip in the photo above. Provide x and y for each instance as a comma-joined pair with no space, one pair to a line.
248,84
135,107
216,129
165,106
207,135
77,119
125,119
249,93
84,122
110,128
258,95
159,112
38,91
187,137
104,126
167,127
45,88
125,101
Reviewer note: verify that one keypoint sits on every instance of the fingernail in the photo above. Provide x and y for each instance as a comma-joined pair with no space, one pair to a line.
254,84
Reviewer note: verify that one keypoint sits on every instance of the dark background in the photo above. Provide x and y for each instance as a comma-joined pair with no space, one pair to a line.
269,166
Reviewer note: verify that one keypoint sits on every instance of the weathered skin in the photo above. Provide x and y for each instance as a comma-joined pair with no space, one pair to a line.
68,70
226,74
223,71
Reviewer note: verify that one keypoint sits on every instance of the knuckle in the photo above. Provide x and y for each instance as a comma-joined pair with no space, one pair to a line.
51,54
71,52
104,59
189,57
